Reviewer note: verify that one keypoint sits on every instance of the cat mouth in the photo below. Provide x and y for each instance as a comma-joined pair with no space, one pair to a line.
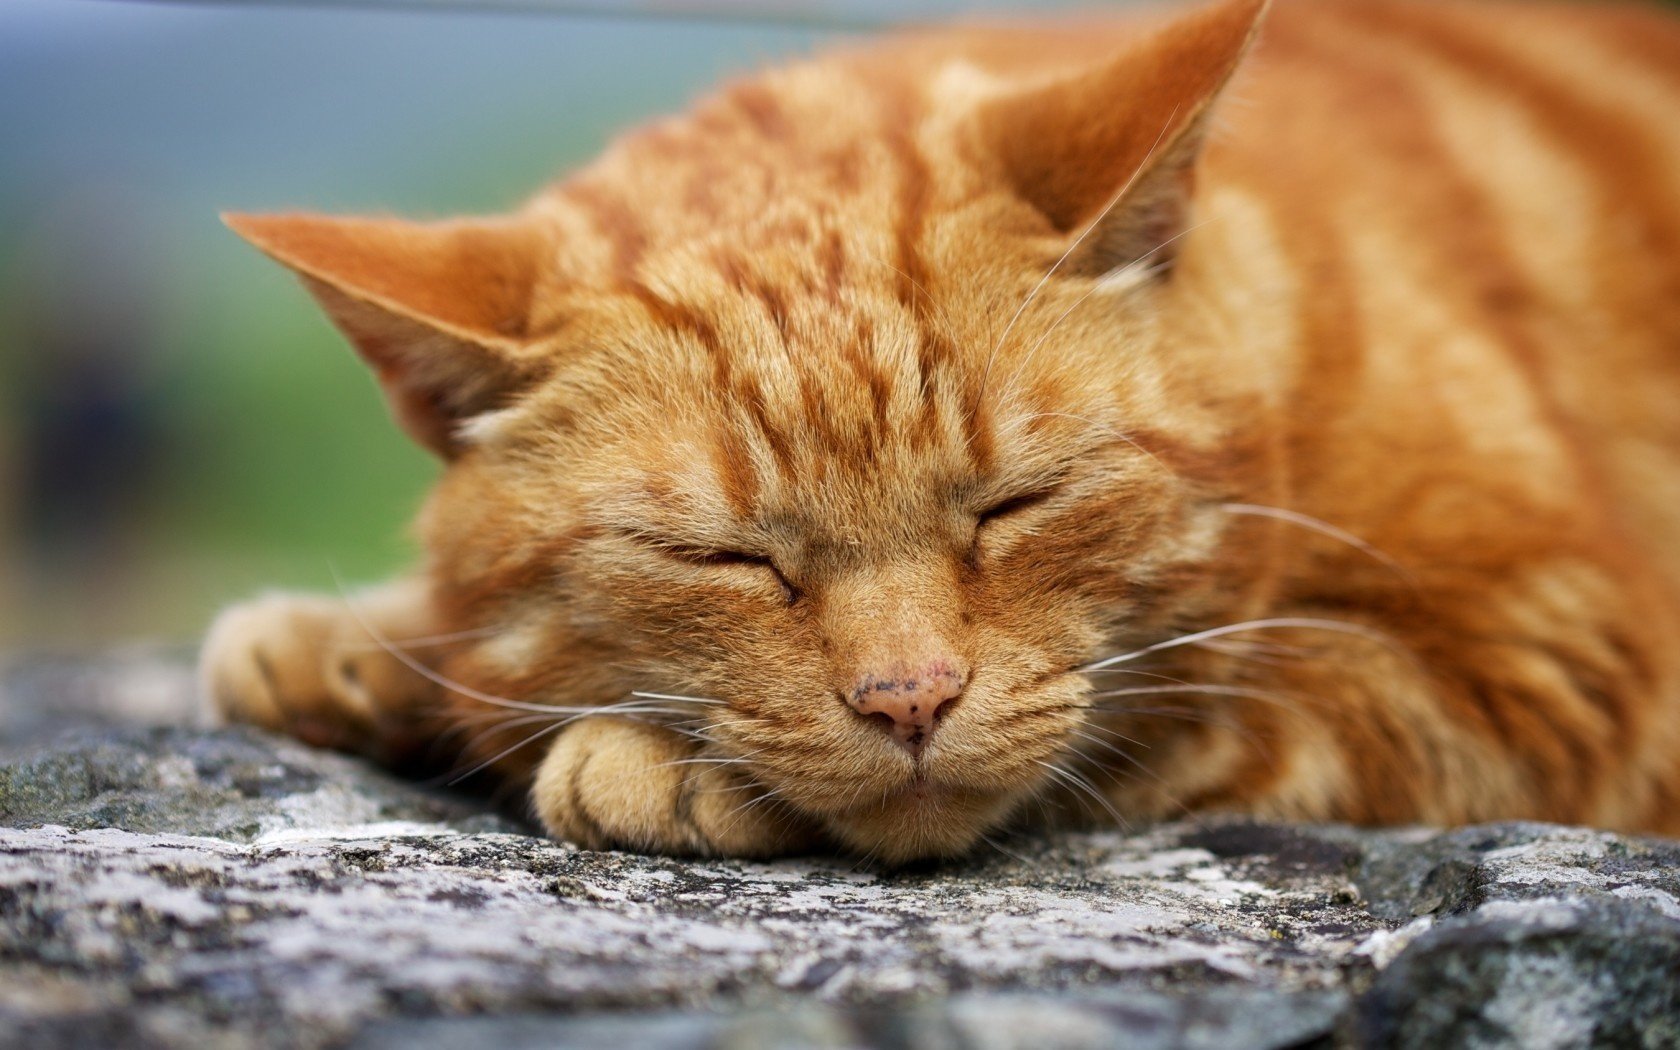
926,793
922,788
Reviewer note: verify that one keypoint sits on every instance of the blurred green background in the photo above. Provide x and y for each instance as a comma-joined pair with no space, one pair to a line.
178,426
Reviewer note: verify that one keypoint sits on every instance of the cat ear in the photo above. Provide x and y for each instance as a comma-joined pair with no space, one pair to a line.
1108,154
439,310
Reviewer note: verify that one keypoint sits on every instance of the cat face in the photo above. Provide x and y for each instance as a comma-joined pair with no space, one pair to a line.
839,410
811,540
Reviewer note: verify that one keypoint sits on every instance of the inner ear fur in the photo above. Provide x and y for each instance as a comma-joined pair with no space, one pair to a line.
439,310
1108,154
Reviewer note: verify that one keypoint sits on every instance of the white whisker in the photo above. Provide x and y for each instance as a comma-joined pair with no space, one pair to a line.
1205,716
470,693
768,797
677,696
705,760
1115,732
429,640
1280,700
1323,528
1193,688
1249,647
1133,671
1106,745
1273,623
1084,786
1011,854
505,752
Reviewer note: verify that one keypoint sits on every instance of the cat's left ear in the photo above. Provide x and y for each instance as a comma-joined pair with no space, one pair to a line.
1107,155
438,309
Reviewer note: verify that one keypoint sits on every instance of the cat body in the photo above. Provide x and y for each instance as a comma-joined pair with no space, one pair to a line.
1273,412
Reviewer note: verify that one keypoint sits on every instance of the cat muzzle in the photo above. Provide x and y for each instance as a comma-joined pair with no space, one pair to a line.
908,704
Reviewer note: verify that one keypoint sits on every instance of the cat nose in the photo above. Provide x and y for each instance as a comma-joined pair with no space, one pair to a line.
910,700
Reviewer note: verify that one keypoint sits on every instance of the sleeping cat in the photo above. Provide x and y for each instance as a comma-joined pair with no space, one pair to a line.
1081,423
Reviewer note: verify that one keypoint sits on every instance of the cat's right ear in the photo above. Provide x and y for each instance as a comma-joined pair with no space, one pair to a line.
1106,155
439,310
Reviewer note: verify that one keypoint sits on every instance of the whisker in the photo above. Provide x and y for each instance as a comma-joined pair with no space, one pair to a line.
1104,744
459,687
508,722
1322,528
1112,731
692,734
677,696
1254,653
1129,670
429,640
1085,787
706,760
505,752
1135,270
1200,716
768,797
865,860
1206,716
627,710
1258,658
1269,655
1131,759
1011,854
1249,647
421,669
731,722
1145,773
1274,623
613,710
1239,691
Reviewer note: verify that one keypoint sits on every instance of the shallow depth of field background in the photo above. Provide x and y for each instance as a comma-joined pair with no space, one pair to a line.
178,425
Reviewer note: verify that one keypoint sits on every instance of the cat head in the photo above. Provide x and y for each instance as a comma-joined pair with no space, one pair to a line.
869,399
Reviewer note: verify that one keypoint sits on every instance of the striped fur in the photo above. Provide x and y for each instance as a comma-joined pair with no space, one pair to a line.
1366,328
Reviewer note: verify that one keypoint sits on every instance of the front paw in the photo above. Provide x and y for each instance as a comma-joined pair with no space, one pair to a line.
614,783
297,664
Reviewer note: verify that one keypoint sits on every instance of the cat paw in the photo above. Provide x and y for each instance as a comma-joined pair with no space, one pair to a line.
613,783
300,664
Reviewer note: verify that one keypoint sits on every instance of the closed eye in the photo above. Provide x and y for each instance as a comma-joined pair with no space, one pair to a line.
713,557
1015,505
709,556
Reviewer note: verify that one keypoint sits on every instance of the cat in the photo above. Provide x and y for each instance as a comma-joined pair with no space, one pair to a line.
1272,412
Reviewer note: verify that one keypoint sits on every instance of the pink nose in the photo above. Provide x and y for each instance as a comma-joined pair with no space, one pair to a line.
909,700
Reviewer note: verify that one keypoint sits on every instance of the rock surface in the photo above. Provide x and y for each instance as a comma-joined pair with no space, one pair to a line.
170,886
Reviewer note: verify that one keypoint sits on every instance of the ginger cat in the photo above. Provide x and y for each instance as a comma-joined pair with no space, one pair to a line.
1213,410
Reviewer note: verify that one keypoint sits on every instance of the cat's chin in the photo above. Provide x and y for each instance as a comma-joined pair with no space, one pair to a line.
923,820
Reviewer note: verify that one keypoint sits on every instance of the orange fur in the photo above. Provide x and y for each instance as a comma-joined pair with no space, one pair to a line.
1002,353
